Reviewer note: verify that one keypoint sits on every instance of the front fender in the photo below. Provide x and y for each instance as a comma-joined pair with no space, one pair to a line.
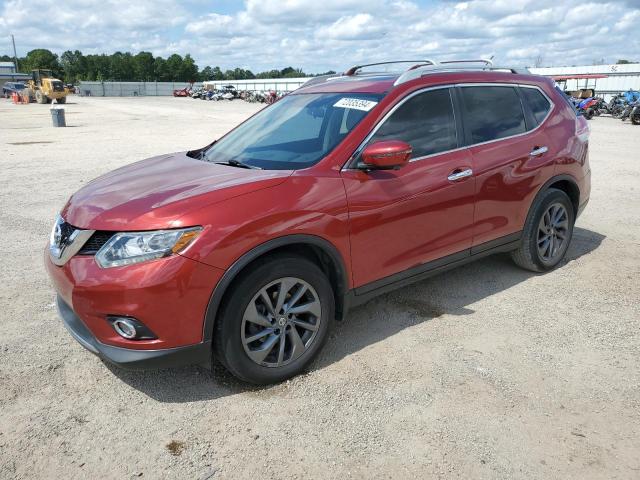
301,205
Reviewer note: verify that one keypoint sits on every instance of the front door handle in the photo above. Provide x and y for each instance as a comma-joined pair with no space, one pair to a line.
459,174
537,151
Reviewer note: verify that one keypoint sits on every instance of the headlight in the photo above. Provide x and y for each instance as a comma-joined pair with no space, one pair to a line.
134,247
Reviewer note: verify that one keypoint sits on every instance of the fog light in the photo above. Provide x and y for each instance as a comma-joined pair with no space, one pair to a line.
125,328
130,328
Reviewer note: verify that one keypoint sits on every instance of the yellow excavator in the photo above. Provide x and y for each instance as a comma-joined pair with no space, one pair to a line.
45,88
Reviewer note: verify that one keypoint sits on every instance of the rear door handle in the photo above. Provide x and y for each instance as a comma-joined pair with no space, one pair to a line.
459,174
537,151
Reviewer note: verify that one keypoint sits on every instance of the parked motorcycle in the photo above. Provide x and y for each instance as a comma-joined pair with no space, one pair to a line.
629,111
587,107
635,114
616,105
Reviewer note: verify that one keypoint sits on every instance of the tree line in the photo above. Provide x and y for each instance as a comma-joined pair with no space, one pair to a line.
73,66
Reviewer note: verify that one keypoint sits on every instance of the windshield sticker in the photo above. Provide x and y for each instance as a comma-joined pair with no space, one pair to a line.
355,103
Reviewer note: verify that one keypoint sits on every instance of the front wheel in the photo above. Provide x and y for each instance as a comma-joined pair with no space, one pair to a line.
62,100
635,119
41,98
547,232
274,320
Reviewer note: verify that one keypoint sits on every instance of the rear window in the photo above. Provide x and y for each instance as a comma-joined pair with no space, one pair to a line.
492,113
537,102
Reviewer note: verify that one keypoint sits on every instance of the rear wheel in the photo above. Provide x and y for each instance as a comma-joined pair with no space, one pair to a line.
275,320
635,119
547,232
61,100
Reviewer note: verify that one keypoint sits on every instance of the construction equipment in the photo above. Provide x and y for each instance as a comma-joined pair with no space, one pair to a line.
45,88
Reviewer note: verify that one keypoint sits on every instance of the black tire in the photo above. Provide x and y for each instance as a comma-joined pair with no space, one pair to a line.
62,100
41,98
228,344
635,119
528,255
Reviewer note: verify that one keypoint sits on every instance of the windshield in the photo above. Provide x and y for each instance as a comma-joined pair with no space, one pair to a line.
296,132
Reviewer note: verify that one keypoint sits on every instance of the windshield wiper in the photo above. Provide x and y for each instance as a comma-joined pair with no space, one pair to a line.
237,163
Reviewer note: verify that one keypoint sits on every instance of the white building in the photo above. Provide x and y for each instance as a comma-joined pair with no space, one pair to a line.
619,78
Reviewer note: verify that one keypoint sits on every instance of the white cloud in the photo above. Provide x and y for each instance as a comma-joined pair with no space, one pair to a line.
264,34
361,26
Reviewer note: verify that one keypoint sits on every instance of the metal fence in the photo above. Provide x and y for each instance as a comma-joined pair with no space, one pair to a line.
135,89
131,89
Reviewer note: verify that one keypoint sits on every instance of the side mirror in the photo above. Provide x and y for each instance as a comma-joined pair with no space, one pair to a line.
386,155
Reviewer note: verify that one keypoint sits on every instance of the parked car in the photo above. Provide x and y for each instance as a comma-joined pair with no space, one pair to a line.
10,87
251,247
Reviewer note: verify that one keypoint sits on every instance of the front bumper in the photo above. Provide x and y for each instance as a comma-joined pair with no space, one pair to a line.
169,296
128,358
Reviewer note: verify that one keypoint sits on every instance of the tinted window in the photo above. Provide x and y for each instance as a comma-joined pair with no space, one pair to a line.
425,121
295,132
537,102
492,113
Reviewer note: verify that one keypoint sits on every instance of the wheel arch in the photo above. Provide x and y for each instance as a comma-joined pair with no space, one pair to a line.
320,251
565,183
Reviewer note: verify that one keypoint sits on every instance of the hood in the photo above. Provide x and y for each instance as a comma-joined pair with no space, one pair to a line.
155,193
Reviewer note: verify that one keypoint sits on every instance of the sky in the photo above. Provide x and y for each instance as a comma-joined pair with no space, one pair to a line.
319,35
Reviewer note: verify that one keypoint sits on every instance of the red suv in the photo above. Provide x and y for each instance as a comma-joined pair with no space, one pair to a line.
352,186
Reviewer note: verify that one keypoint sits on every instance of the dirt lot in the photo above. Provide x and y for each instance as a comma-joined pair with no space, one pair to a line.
483,372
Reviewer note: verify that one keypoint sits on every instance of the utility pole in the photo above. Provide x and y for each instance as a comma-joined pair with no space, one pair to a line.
15,56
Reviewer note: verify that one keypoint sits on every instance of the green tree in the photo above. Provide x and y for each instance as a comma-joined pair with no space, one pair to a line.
98,67
291,72
122,67
42,58
143,67
160,69
74,65
173,68
188,70
206,74
217,74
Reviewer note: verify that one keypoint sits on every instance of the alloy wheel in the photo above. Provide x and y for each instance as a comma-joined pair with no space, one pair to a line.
281,322
553,232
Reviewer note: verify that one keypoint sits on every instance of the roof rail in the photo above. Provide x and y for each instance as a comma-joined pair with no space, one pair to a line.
486,61
453,66
417,63
421,68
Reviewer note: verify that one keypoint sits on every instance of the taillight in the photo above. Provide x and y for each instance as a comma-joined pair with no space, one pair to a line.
582,129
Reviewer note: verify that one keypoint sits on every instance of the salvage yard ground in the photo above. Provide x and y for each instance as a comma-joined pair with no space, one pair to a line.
486,371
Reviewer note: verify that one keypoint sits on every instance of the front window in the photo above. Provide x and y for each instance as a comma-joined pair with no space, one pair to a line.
425,121
296,132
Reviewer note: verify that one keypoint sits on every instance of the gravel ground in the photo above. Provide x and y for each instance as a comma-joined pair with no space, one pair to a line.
486,371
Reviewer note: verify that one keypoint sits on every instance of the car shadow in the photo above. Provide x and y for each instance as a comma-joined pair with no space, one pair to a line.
423,300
